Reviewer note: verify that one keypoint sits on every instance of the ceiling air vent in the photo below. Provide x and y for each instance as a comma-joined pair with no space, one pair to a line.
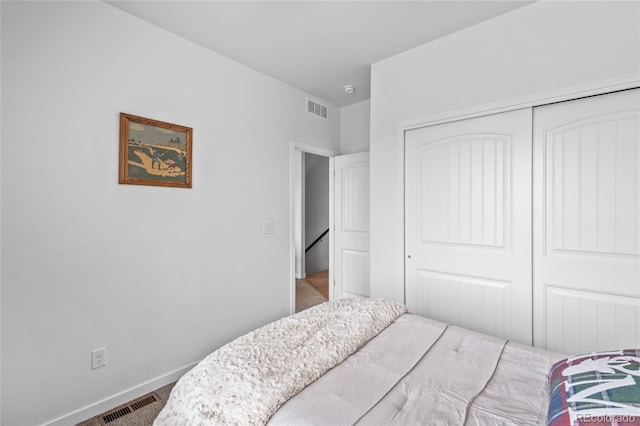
317,109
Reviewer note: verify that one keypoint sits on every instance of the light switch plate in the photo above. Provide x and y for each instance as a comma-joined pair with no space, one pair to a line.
268,228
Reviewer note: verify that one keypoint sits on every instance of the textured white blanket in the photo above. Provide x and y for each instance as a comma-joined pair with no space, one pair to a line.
247,380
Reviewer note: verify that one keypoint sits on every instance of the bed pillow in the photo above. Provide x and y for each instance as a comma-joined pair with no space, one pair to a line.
601,388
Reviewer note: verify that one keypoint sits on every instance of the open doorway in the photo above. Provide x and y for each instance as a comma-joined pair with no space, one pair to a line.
311,191
312,281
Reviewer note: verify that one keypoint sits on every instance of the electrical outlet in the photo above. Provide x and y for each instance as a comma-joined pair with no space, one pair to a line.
268,228
98,358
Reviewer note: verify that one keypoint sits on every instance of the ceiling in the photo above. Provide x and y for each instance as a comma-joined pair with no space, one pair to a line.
316,46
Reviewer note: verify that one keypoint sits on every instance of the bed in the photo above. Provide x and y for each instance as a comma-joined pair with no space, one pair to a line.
370,362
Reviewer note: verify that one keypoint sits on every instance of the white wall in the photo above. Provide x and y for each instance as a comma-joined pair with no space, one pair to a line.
354,127
316,212
0,223
160,276
537,48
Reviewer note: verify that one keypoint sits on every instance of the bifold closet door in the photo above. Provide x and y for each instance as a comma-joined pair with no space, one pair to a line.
587,224
468,223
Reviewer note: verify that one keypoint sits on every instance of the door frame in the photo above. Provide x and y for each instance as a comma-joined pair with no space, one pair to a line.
296,218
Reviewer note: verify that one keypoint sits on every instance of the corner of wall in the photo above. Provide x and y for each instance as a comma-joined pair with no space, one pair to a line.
355,122
1,127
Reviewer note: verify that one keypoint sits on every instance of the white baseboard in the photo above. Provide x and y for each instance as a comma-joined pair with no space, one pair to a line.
120,398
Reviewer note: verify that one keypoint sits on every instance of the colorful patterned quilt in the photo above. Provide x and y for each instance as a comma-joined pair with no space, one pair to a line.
602,388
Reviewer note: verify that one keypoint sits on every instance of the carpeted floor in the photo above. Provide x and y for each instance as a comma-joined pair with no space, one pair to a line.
320,281
307,296
312,290
143,416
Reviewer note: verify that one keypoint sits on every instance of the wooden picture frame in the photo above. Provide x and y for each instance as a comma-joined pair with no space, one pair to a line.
154,152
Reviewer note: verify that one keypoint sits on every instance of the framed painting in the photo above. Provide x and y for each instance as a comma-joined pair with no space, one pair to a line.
154,153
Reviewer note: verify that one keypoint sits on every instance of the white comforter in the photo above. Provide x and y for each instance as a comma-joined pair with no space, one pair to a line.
316,368
247,380
423,372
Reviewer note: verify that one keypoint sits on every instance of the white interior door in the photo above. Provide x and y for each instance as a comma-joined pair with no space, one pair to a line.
350,272
468,223
587,224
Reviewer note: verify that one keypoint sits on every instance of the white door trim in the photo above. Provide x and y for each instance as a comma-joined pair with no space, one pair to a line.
296,202
592,88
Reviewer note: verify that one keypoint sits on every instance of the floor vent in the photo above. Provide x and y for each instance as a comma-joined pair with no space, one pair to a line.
107,418
144,402
316,108
129,408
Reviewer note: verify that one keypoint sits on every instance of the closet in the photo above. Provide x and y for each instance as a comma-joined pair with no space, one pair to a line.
526,224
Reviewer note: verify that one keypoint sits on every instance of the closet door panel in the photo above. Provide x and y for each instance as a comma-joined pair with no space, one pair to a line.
591,321
468,223
587,223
